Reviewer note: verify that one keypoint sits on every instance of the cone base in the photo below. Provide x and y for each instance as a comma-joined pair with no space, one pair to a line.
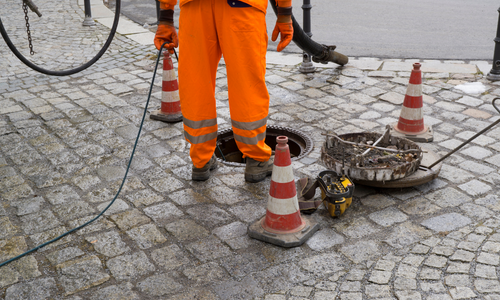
425,136
283,240
169,118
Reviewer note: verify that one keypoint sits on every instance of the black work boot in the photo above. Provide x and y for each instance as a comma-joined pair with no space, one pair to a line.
256,171
203,173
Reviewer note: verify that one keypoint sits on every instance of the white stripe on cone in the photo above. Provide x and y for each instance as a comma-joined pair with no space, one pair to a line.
283,206
414,90
282,174
170,96
411,113
169,75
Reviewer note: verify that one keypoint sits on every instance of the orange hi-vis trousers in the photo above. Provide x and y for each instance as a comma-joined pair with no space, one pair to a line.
209,29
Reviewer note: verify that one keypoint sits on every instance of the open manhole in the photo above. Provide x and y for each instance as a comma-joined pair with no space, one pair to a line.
299,143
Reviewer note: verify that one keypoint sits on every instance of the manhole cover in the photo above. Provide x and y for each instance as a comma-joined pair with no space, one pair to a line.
300,144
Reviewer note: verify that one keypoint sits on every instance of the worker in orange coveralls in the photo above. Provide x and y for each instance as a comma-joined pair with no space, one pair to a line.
209,29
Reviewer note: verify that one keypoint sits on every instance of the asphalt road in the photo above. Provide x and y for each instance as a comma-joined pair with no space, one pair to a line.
424,29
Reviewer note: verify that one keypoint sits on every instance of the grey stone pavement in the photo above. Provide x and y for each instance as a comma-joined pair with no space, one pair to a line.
65,144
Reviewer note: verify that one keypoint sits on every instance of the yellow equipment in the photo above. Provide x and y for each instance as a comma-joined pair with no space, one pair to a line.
336,192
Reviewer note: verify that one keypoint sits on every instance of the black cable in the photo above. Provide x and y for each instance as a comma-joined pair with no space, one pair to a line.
123,181
70,71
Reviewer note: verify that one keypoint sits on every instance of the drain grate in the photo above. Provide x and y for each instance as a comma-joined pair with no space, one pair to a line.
299,143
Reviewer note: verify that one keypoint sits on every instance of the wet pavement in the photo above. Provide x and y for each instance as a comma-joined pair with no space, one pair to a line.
65,144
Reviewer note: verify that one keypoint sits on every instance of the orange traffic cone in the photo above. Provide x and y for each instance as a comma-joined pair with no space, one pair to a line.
170,110
283,225
411,120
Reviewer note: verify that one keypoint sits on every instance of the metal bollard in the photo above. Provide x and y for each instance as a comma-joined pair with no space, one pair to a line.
88,21
494,74
307,65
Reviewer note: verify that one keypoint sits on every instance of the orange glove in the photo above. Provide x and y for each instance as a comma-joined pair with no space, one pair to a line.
283,24
166,32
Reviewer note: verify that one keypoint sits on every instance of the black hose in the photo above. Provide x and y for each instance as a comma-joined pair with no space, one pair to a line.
319,53
71,71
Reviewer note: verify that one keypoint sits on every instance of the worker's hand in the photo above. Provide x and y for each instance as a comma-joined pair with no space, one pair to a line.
285,28
166,33
283,24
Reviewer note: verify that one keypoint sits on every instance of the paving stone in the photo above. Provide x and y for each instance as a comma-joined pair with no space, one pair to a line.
360,251
475,188
39,221
408,295
324,295
435,261
322,263
446,222
378,201
63,255
326,285
127,267
169,257
457,280
430,274
462,293
448,197
407,271
489,259
457,267
419,206
81,274
146,236
109,243
209,214
230,231
406,234
244,264
461,255
144,198
380,277
324,239
485,271
388,217
413,260
129,219
401,283
208,249
351,296
432,287
244,289
206,273
356,227
43,288
123,291
160,285
487,286
454,174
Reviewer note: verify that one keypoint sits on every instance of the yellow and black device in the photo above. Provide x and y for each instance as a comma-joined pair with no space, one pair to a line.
336,192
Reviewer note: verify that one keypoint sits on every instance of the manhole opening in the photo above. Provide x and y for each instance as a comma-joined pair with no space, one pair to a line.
299,144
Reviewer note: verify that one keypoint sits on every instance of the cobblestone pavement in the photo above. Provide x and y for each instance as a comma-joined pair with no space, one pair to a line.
65,144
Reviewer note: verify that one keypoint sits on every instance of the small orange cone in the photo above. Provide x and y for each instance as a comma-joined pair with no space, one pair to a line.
170,110
283,225
411,120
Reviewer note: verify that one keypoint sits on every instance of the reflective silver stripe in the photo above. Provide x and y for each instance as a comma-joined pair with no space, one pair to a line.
250,140
200,124
249,125
201,138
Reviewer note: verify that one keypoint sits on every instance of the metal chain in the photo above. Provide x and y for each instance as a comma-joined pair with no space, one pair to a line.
25,8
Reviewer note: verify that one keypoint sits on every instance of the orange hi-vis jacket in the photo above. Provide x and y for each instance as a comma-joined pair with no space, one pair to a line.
208,30
259,4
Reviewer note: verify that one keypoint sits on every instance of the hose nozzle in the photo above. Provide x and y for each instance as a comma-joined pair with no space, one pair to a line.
33,7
